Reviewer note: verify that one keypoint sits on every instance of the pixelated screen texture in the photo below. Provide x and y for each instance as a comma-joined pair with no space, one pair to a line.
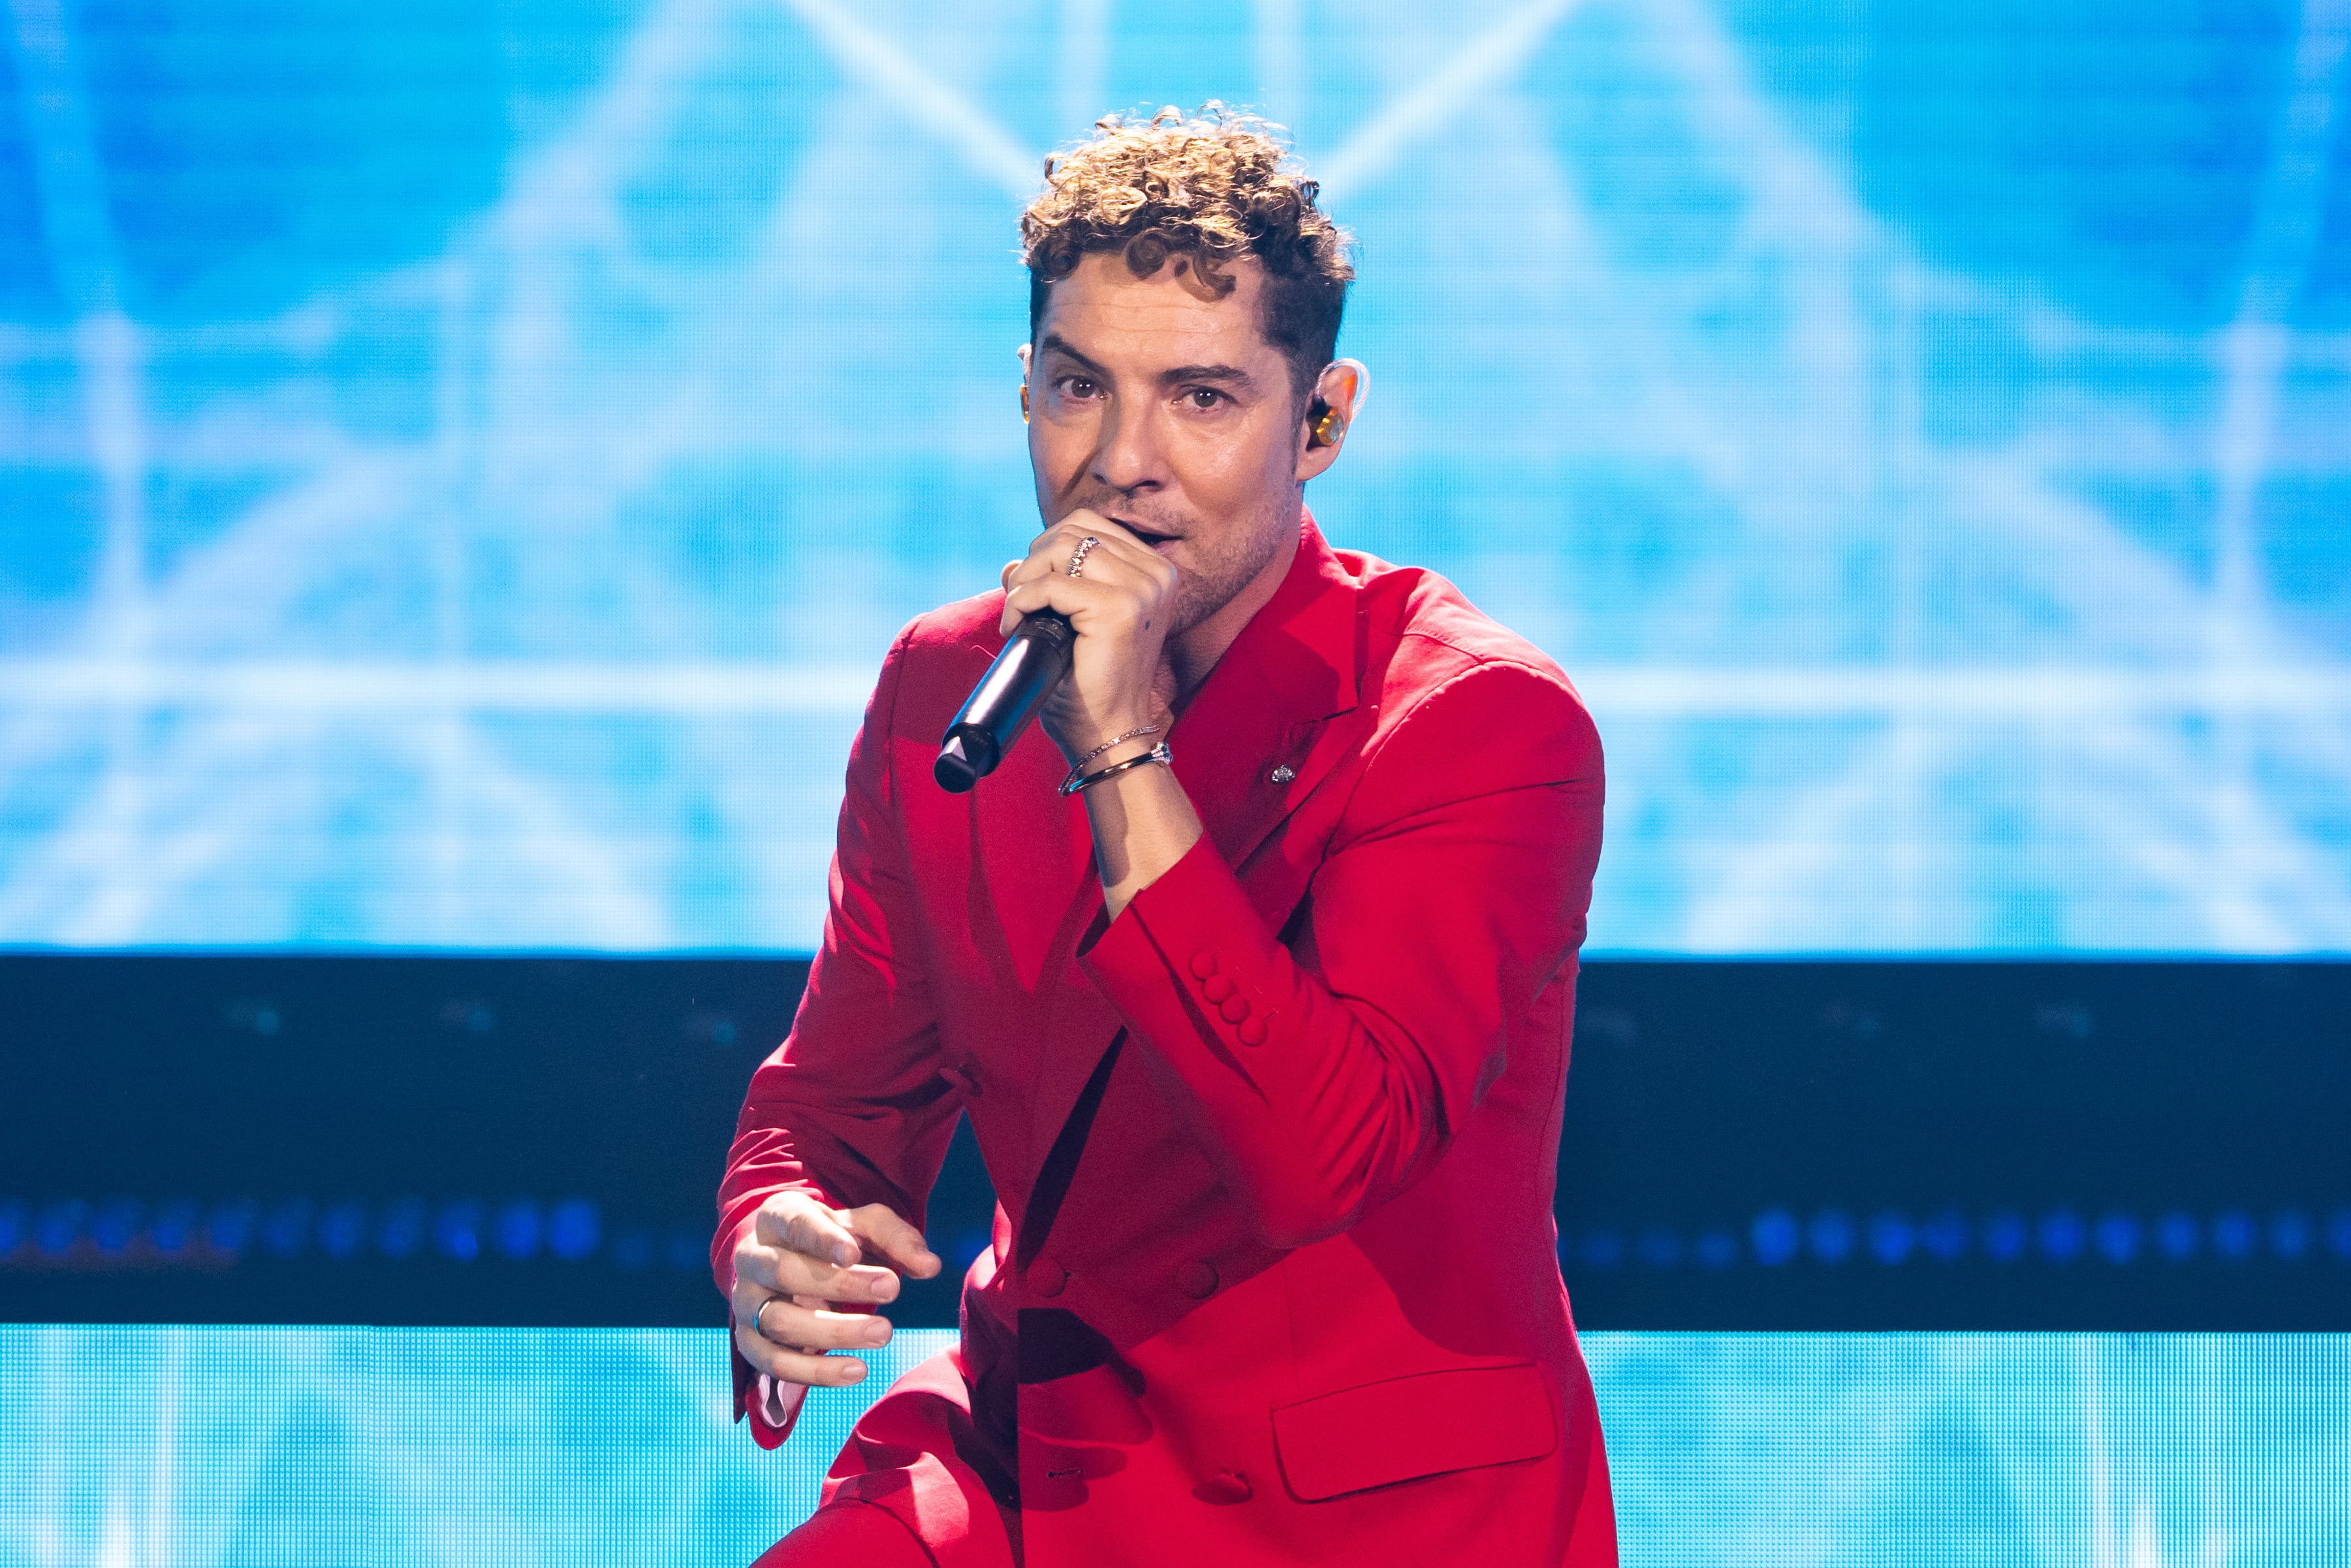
401,1449
461,463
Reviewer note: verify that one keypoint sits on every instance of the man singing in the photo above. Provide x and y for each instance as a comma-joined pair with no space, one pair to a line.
1254,970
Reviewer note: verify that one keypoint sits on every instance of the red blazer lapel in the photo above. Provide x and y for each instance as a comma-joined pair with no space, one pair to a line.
1265,706
1250,747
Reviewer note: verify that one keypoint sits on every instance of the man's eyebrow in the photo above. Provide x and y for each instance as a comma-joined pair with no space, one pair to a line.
1054,343
1231,375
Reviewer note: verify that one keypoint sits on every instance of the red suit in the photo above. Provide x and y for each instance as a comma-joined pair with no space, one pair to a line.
1274,1277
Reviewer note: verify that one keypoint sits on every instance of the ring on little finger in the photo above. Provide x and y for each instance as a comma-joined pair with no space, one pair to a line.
1078,558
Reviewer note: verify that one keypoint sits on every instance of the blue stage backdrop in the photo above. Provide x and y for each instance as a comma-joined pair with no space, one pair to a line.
410,1449
461,462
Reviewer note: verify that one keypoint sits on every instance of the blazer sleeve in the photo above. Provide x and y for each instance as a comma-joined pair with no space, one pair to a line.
851,1108
1455,889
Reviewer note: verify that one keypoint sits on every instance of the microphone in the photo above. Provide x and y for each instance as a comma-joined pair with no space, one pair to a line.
1032,663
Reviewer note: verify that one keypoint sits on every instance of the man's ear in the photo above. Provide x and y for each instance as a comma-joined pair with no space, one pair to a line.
1024,352
1338,401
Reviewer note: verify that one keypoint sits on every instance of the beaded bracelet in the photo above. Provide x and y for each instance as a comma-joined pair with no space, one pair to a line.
1158,753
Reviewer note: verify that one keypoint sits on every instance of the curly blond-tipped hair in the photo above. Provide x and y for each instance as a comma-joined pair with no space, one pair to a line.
1214,188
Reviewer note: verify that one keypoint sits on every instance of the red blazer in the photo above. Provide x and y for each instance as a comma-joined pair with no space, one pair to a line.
1274,1277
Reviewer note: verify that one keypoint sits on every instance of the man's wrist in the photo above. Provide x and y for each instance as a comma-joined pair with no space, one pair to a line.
1116,731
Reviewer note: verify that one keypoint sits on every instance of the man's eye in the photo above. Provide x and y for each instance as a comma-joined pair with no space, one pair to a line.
1077,386
1204,397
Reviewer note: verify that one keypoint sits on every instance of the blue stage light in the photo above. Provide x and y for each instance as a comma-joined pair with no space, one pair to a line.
2177,1235
689,1251
573,1229
15,1225
285,1227
1716,1249
2289,1235
2117,1238
399,1229
1831,1236
342,1230
229,1227
2005,1235
519,1229
1603,1249
1775,1237
114,1224
2338,1235
1660,1247
58,1225
2233,1235
175,1226
2063,1235
632,1249
1890,1238
1945,1237
457,1234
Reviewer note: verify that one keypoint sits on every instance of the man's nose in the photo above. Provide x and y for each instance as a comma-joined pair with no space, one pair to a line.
1128,457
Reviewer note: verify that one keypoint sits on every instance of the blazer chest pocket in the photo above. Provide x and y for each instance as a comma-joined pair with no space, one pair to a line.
1407,1427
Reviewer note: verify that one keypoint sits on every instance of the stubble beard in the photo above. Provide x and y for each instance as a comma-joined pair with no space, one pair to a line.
1235,562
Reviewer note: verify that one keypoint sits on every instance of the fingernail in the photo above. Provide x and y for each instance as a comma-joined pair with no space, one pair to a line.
842,1255
856,1372
877,1333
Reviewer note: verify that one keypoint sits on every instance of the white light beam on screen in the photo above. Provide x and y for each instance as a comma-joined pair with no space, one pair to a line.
984,145
86,264
678,690
689,689
1803,204
2287,219
561,862
1281,70
1370,154
2098,1457
1084,63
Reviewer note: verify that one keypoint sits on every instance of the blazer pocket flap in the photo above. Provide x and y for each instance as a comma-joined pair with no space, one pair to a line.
1407,1427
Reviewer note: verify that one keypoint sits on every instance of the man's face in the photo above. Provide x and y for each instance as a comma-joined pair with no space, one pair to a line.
1165,409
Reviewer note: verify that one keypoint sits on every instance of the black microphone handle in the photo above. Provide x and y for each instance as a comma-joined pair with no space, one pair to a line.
1032,663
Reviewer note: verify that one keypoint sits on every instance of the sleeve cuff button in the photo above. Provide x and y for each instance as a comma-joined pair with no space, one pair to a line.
1204,963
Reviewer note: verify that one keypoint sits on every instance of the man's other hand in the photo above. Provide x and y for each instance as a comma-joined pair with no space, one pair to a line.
809,1276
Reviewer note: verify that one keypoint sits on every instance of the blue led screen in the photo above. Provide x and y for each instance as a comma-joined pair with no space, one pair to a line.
387,1448
460,464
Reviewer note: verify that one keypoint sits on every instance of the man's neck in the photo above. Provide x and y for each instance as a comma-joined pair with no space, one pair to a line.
1191,656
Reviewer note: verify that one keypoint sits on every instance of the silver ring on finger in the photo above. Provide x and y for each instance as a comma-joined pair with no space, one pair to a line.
760,1312
1077,559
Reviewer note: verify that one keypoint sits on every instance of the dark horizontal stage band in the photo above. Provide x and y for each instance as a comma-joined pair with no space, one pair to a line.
1747,1146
